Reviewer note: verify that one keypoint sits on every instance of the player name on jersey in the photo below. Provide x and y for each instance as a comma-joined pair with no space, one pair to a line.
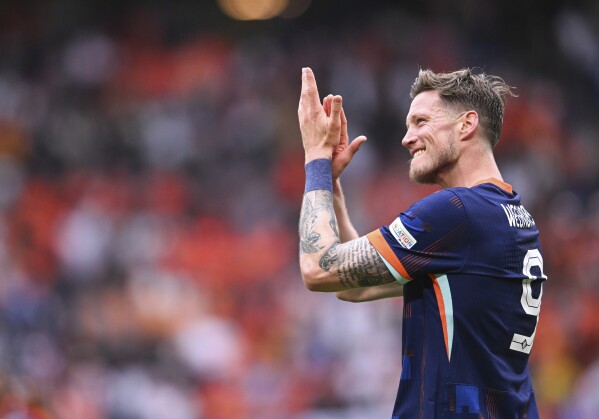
517,216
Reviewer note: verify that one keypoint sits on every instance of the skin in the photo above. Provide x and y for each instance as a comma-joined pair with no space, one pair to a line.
430,121
446,149
454,154
326,263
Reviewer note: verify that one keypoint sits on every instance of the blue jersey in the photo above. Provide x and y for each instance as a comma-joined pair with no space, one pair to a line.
471,264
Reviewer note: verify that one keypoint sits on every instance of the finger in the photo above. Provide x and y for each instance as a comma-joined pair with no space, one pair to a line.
335,118
344,136
326,104
336,107
309,96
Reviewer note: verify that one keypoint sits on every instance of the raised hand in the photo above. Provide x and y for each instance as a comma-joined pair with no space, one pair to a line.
321,132
345,151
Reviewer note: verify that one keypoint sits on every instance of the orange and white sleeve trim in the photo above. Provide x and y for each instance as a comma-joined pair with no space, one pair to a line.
388,256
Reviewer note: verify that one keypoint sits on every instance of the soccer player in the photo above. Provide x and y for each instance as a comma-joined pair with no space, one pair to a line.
467,259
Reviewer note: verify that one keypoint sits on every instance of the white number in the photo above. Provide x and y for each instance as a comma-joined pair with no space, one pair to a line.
530,304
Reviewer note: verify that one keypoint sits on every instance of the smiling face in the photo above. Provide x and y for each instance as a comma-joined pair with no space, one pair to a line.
431,138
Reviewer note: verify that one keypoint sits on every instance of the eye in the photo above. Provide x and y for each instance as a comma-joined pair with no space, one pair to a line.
420,121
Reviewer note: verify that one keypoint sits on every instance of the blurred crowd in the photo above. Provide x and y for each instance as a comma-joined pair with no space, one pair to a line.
150,188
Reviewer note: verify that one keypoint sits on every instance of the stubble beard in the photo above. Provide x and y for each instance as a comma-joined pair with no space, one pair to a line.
442,160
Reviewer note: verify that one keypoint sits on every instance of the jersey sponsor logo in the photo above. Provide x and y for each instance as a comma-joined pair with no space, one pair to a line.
517,216
401,234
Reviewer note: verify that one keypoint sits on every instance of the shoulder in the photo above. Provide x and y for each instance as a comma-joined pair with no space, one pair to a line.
439,204
434,216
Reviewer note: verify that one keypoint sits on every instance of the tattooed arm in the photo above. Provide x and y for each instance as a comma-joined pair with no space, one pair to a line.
342,156
328,265
347,230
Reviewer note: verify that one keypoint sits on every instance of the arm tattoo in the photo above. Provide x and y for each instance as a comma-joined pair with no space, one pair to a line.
309,239
315,203
355,263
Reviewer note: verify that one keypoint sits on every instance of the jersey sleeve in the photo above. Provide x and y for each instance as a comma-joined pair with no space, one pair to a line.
431,237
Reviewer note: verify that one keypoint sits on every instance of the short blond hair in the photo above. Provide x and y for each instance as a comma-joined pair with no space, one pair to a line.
467,90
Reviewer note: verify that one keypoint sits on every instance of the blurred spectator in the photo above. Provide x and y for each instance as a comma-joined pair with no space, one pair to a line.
150,179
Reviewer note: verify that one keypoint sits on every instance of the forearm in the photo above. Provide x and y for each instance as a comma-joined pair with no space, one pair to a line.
318,234
347,231
359,295
330,260
326,263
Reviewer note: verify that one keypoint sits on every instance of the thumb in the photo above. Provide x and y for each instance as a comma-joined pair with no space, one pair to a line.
355,145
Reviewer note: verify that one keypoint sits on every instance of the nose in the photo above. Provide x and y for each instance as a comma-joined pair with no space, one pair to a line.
408,139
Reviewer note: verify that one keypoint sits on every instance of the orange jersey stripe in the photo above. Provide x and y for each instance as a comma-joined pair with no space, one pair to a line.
380,244
499,183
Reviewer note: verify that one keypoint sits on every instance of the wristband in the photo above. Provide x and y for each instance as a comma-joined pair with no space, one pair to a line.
319,175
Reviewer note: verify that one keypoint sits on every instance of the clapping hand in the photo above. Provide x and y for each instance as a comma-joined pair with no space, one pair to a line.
324,126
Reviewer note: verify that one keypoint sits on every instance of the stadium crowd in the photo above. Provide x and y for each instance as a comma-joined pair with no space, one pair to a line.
150,188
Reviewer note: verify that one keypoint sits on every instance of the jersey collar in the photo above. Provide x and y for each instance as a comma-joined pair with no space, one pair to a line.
499,183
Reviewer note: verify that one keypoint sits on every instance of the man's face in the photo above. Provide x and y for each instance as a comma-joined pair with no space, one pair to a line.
430,138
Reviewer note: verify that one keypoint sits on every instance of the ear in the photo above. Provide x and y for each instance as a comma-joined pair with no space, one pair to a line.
468,123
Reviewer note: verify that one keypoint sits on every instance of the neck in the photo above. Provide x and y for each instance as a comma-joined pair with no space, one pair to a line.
470,169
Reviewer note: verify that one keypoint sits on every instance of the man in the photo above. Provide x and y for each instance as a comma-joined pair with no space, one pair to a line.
467,258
